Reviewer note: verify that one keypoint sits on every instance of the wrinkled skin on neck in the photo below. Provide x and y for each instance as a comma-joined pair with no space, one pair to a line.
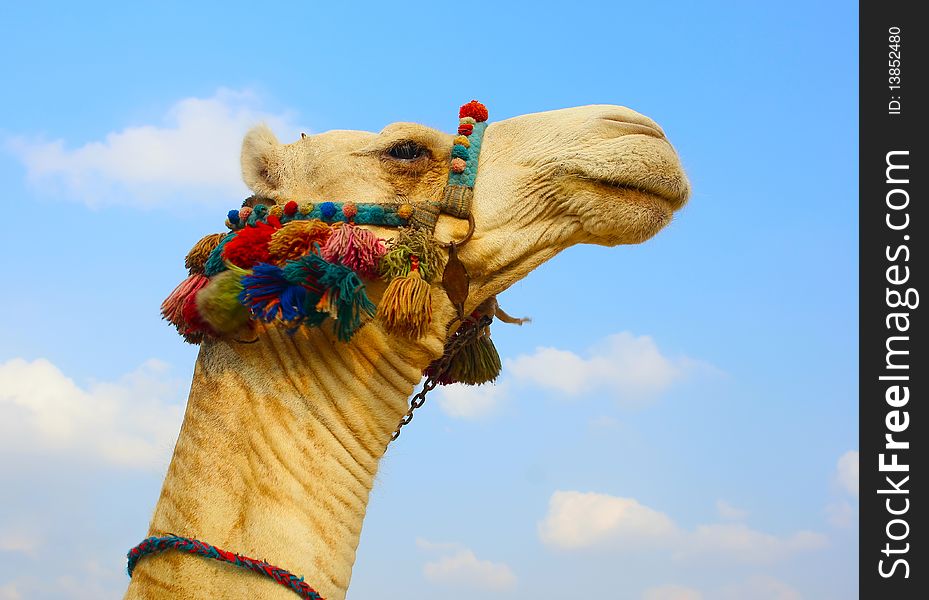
282,437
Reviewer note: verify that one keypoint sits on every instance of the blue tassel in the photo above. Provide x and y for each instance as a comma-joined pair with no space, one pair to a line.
345,293
269,295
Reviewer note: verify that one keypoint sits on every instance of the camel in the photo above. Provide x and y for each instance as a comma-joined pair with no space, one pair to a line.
282,436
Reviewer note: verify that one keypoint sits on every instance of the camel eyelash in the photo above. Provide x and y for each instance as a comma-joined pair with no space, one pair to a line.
407,150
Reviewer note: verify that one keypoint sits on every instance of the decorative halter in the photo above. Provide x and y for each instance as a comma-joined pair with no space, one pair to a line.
304,265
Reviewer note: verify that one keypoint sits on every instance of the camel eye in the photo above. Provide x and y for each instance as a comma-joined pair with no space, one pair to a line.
407,151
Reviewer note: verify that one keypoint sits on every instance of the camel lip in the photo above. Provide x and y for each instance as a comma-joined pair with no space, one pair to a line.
674,201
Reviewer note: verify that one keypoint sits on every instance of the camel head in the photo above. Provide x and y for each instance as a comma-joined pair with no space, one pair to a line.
597,174
296,420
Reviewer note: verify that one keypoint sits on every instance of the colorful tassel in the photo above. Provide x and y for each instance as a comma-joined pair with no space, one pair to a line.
311,268
409,243
406,307
296,239
198,255
218,303
262,290
172,309
346,299
269,295
343,294
250,245
215,263
195,326
475,363
307,272
356,248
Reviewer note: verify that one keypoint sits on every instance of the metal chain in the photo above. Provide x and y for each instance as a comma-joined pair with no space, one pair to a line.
452,347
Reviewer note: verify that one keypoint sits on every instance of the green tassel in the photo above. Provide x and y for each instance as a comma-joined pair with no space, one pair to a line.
476,363
347,299
306,271
408,243
338,291
218,302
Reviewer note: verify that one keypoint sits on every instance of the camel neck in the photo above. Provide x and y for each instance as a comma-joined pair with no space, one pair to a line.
276,459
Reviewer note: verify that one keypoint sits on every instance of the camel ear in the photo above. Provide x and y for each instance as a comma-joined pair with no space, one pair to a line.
262,164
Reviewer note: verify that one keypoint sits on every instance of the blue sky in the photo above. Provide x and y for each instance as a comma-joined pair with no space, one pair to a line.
729,472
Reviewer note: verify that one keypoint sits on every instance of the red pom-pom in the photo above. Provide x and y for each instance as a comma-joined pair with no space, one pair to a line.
274,221
465,129
250,246
193,321
290,209
349,210
475,110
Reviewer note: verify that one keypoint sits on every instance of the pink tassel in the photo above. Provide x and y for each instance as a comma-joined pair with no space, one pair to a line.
172,309
356,248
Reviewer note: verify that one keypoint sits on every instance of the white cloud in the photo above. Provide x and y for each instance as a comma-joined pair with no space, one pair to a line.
628,367
8,591
729,512
847,472
579,520
759,587
460,567
738,542
672,592
90,580
130,422
19,542
194,152
471,402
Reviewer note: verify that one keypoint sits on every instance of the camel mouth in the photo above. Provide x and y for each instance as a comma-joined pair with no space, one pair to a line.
670,193
625,210
672,202
638,162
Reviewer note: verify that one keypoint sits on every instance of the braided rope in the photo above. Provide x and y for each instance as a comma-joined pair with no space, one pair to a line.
155,544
